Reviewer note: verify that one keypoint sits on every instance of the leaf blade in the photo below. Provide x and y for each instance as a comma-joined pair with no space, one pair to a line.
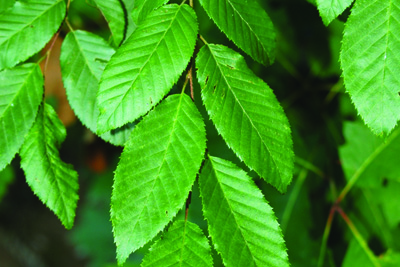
21,90
246,24
52,180
230,87
143,7
370,63
143,69
241,223
154,186
32,22
115,16
331,9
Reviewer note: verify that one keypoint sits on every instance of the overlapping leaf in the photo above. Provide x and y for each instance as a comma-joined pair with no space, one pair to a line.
183,245
27,27
143,7
331,9
4,5
145,67
247,24
115,16
21,90
241,223
371,62
156,171
83,59
246,113
52,180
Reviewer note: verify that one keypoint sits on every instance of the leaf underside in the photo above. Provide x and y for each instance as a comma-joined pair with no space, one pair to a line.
146,66
52,180
156,172
26,28
83,58
241,223
371,62
115,16
143,7
184,244
331,9
246,113
246,24
21,90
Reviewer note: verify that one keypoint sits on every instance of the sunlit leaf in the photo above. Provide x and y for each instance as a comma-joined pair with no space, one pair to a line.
331,9
115,16
143,7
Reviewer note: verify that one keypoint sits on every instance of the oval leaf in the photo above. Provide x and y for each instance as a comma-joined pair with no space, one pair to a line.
114,14
241,223
183,245
246,113
156,172
143,7
21,90
246,24
331,9
83,59
27,27
371,64
52,180
145,67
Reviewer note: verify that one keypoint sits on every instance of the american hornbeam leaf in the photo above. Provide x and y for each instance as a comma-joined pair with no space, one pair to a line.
27,27
331,9
83,58
114,14
246,24
184,244
246,113
370,157
156,172
143,7
145,67
371,62
21,90
241,223
52,180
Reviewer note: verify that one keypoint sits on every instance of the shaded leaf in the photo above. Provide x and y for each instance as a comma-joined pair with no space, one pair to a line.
27,27
371,63
241,223
156,172
246,113
331,9
21,90
52,180
115,16
246,24
143,7
83,58
183,245
145,67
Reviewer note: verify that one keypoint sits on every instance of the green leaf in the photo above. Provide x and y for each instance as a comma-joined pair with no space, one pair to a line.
145,67
4,5
143,7
21,90
115,16
246,113
183,245
241,223
371,64
27,27
331,9
369,157
156,172
7,176
83,58
246,24
52,180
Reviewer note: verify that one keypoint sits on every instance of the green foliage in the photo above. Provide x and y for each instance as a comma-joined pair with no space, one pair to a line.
143,7
28,22
241,223
184,245
237,99
331,9
21,90
52,180
371,66
156,172
133,83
